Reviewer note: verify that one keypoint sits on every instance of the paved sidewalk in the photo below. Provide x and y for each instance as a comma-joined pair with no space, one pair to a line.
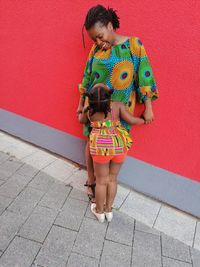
45,219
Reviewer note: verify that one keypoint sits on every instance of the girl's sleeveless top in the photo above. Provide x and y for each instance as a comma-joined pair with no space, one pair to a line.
107,141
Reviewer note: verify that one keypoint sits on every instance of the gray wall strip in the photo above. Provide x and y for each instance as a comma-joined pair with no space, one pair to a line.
44,136
176,190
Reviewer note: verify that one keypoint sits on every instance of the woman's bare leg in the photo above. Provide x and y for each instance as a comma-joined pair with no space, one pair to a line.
102,179
90,168
112,185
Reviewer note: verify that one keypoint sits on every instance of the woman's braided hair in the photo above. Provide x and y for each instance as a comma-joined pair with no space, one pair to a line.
99,100
100,14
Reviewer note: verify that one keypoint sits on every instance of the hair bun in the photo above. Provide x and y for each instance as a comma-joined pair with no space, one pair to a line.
114,18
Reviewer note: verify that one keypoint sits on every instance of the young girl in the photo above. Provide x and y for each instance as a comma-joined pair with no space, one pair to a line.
108,145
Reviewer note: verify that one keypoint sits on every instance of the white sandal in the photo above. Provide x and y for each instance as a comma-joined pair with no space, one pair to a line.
109,216
100,216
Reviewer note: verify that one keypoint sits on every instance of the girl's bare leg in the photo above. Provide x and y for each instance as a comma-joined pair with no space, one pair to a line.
112,185
102,179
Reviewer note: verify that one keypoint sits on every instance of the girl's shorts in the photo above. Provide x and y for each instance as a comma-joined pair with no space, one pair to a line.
106,159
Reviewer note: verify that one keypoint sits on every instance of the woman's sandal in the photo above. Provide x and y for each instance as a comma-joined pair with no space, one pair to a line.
91,196
86,183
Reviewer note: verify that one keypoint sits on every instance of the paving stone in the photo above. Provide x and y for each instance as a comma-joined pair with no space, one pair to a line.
20,149
3,157
176,224
42,182
10,166
167,262
78,179
12,187
26,201
56,195
38,224
19,178
27,170
6,141
141,208
90,238
77,194
40,159
89,214
21,252
115,255
146,229
9,225
76,260
4,203
195,254
146,250
175,249
122,194
51,261
197,237
59,169
72,214
56,248
121,229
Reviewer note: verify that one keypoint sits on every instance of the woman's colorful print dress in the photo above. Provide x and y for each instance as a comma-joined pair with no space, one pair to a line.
123,67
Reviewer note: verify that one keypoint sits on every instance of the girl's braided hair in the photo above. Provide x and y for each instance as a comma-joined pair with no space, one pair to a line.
99,100
100,14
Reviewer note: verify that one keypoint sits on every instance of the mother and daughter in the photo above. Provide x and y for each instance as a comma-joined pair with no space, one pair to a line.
116,72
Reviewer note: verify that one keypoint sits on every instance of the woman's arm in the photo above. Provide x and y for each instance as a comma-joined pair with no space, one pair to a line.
85,84
148,112
125,115
146,87
83,116
80,105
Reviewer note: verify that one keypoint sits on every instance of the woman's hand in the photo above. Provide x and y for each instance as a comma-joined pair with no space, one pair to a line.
148,116
148,113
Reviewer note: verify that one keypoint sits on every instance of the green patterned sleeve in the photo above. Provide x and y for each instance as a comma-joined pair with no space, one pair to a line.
145,82
82,87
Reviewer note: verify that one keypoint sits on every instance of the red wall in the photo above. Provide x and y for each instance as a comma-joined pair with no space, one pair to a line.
42,61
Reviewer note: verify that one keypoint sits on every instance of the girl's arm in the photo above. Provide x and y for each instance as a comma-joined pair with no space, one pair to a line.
125,115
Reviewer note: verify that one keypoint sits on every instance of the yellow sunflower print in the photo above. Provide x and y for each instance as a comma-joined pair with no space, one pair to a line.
137,47
100,54
122,75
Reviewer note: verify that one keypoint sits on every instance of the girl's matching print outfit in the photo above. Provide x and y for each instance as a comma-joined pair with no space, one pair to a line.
108,138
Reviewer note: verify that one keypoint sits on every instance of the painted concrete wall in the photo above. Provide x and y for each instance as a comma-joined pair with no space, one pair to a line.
42,61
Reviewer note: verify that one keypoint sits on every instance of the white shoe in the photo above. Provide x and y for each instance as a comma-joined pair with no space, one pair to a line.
109,216
100,216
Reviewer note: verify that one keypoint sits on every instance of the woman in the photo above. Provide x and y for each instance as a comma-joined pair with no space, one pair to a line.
121,63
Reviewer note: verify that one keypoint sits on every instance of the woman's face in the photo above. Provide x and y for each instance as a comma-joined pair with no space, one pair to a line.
102,35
